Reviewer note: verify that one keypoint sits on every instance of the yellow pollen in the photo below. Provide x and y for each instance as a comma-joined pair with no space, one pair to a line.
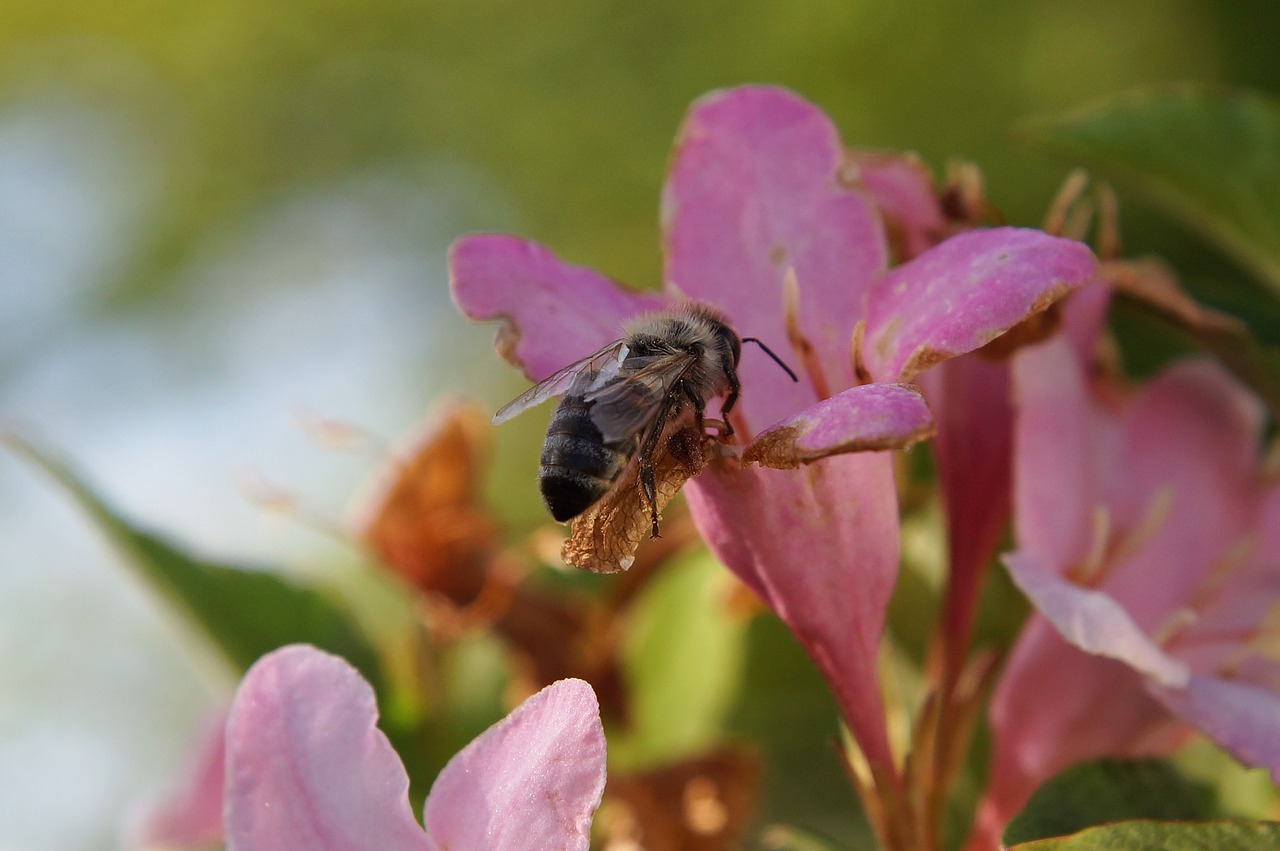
1173,625
1092,569
860,372
1157,513
1221,571
800,344
1262,641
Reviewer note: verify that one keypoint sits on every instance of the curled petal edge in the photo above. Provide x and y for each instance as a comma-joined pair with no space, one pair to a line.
867,418
1094,621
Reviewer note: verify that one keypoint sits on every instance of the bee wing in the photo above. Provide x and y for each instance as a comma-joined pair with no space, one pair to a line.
637,399
578,376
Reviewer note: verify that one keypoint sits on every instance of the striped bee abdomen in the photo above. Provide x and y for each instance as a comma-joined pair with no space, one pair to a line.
577,466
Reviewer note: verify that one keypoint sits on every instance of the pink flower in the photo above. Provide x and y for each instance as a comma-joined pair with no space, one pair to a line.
306,768
969,397
769,219
1146,538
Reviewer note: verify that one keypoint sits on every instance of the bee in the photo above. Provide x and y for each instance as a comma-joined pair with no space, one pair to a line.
618,402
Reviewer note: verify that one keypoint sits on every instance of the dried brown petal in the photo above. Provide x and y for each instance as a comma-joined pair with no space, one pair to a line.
605,538
1155,286
557,636
701,804
427,522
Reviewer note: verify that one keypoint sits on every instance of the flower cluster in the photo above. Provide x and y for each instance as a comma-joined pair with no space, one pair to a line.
767,217
1147,538
1146,529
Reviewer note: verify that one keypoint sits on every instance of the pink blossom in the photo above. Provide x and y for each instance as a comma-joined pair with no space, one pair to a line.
1147,538
768,218
306,768
971,401
969,396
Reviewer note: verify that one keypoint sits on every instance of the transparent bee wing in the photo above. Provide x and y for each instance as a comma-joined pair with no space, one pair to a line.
578,377
638,398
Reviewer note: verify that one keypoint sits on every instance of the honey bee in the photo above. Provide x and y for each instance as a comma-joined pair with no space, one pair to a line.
619,401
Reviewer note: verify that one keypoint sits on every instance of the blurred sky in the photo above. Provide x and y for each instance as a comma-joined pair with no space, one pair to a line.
216,216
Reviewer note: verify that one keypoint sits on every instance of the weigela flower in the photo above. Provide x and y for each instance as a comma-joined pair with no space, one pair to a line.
305,767
769,219
1147,538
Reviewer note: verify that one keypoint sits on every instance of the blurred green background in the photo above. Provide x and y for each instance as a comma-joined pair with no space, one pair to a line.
217,219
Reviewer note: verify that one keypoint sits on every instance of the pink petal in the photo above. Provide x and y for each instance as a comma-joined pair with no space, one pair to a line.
306,767
820,546
1241,717
867,417
190,815
969,396
533,780
1054,706
1244,604
1065,450
1084,317
1191,441
1093,621
552,313
964,293
754,190
903,190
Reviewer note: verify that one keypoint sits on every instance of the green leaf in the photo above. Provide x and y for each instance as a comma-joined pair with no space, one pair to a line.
1094,793
683,659
1166,836
1211,158
243,614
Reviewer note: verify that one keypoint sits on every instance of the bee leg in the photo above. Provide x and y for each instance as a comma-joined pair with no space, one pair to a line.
647,484
735,387
651,496
699,408
720,426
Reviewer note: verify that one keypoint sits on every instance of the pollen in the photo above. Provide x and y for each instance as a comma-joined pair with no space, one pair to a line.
1093,568
800,344
861,374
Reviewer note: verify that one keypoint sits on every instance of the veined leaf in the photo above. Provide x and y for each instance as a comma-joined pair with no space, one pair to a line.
1093,793
1166,836
1211,158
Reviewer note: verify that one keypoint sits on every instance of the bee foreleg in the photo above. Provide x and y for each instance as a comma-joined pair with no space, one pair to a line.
699,407
735,387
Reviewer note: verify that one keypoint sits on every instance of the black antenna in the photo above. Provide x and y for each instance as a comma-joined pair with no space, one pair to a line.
768,351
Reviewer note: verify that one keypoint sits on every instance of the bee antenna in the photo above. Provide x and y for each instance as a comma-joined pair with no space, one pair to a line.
768,351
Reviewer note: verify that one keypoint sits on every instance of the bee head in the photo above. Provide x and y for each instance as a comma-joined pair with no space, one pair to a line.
726,338
729,340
